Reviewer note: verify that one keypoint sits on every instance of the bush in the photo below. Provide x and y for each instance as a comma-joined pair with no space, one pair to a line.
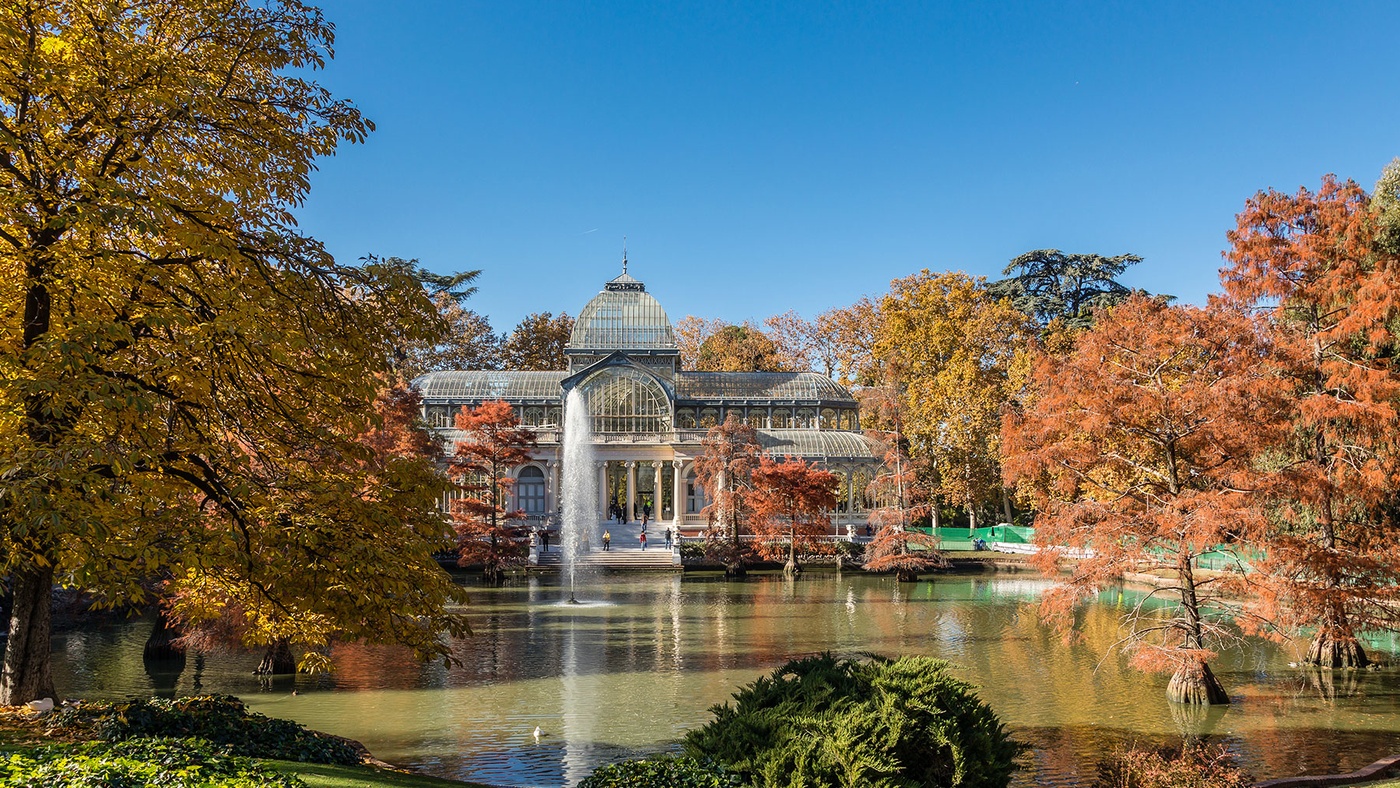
187,763
221,719
663,772
875,724
1190,767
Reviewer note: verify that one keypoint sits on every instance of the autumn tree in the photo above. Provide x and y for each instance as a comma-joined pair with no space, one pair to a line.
949,349
902,498
1137,450
743,348
845,340
538,342
178,361
1386,201
492,444
239,605
469,343
792,502
1049,285
691,332
1315,263
797,343
730,452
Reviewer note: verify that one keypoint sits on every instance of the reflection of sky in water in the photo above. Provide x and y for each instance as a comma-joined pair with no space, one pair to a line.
610,681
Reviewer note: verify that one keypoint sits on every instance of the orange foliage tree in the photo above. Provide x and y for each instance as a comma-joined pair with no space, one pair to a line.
902,497
1316,265
724,469
493,442
791,501
1136,448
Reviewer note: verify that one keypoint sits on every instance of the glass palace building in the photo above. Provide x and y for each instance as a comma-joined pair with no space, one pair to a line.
649,415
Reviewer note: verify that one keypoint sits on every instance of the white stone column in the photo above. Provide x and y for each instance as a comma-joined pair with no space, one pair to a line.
551,488
631,490
677,494
602,490
656,490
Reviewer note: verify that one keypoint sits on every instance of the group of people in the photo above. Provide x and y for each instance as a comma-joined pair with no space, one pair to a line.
543,536
618,512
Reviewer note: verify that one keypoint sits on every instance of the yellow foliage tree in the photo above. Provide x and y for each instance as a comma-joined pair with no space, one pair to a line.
183,376
951,349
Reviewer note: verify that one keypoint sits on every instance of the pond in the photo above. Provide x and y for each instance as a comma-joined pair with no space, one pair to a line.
630,675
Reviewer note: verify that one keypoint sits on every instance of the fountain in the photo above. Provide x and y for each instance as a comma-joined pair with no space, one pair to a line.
580,485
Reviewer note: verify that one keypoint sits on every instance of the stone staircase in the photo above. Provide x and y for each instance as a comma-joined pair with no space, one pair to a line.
625,553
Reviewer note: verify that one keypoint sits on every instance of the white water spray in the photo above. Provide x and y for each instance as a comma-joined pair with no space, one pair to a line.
580,486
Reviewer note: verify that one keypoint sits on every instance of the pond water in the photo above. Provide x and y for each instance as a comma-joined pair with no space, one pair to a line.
628,676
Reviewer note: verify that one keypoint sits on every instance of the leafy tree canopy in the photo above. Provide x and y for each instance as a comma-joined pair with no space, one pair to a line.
184,377
538,343
1050,285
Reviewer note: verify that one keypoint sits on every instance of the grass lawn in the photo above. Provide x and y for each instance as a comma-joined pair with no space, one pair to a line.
318,775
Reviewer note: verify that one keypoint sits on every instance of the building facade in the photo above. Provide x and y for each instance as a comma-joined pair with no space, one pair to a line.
649,416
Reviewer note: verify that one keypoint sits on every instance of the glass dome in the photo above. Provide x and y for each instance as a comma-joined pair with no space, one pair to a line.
623,317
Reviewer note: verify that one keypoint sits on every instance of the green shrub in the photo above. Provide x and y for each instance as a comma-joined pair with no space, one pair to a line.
172,763
662,772
877,723
221,719
1189,767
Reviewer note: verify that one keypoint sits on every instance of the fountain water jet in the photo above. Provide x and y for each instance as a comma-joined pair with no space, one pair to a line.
580,485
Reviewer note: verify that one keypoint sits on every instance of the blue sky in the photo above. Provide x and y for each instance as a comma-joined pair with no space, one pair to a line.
761,157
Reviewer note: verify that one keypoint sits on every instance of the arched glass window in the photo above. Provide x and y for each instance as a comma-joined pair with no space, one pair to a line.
828,418
806,418
709,417
529,490
553,417
843,500
628,401
757,417
685,418
782,417
861,493
440,416
695,498
534,416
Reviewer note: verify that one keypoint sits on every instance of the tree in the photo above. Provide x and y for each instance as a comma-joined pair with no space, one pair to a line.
1138,447
691,332
469,343
730,452
492,444
846,339
1314,264
740,349
243,604
792,502
538,342
1049,285
950,350
1387,206
797,342
179,363
902,498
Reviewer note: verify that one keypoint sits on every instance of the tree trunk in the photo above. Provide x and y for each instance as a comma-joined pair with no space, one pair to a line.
160,646
277,661
790,569
1331,651
1194,683
1006,505
27,671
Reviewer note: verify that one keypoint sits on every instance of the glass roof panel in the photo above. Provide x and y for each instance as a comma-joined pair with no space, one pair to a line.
759,386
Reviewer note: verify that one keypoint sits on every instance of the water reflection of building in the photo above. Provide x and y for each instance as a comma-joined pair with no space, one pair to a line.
649,415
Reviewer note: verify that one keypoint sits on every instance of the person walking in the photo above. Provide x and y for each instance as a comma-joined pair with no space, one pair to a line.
544,541
669,539
642,537
607,540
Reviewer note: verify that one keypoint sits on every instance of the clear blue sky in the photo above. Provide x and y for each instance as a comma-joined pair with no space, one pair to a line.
764,156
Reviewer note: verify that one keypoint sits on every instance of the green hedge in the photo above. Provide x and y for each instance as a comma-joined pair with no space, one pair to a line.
220,719
662,772
877,723
135,763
